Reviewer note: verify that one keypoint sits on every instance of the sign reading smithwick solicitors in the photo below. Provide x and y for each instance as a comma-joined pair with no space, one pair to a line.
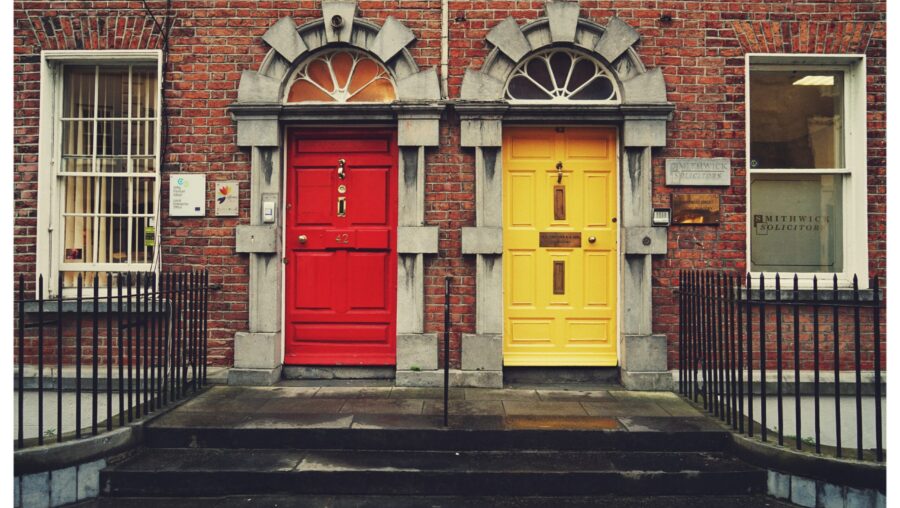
699,172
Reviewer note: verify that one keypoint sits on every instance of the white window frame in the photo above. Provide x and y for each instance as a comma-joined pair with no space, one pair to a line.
854,196
49,218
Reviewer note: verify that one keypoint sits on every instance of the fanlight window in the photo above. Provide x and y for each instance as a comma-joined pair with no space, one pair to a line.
343,75
561,75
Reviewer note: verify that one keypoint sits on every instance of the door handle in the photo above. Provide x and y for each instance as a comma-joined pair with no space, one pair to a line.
559,172
592,239
341,163
301,238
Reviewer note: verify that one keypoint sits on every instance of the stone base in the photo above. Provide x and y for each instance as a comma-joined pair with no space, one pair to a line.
482,352
647,381
257,350
254,377
417,351
460,378
330,372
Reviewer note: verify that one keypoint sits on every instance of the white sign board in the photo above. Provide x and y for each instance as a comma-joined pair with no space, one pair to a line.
226,199
187,195
701,172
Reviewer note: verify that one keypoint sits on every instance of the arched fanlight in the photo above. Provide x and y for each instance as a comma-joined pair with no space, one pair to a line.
561,75
342,75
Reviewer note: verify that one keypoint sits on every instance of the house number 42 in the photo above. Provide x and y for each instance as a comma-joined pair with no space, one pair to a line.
342,238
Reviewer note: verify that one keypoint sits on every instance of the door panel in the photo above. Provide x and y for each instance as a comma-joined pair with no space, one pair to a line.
559,298
340,243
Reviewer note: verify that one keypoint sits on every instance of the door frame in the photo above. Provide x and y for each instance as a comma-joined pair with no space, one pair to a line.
619,236
282,218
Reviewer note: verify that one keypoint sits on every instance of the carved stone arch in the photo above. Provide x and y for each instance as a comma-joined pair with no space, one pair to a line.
641,113
611,45
290,45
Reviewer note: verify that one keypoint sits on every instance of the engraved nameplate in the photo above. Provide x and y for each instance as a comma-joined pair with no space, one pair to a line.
560,239
699,172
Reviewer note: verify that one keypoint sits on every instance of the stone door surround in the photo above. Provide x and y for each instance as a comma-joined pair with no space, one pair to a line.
642,114
262,116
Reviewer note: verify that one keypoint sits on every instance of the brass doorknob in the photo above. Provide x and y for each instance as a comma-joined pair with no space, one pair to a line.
592,239
302,238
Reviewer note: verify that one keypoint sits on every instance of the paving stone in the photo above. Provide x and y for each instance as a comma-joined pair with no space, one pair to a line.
401,392
623,409
668,424
578,395
626,395
498,394
464,407
353,392
297,421
397,421
562,422
386,406
521,407
679,408
302,405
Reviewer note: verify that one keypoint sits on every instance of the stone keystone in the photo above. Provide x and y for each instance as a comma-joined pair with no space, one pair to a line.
283,38
393,37
509,39
347,11
563,18
618,37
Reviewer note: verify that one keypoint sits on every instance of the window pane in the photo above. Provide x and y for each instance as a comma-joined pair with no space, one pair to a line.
796,119
112,137
142,201
77,137
112,92
78,99
143,93
143,137
797,223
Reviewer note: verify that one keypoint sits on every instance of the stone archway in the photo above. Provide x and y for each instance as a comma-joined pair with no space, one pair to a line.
642,114
261,114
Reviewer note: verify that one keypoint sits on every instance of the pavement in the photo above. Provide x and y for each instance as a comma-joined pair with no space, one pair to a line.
609,408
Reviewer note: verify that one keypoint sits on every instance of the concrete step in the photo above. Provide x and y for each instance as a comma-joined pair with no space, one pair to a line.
215,472
269,501
417,432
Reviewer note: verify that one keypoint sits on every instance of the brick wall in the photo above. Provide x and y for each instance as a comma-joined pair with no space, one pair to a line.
701,52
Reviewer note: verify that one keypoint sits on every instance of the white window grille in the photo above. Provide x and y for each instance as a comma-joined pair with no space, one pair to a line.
103,190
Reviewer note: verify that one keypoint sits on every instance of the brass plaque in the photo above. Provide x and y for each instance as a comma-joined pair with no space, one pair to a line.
559,277
560,239
695,209
559,202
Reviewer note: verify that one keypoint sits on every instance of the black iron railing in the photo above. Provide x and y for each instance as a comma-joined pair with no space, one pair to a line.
729,325
148,330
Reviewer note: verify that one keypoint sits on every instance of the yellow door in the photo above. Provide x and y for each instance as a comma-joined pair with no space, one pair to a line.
559,246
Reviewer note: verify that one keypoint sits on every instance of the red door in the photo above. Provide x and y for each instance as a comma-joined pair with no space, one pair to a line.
341,247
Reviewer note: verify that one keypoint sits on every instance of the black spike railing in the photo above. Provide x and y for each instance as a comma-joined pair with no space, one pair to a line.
151,339
728,326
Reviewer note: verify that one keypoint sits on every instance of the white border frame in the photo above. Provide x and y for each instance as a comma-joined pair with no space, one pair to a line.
855,202
47,260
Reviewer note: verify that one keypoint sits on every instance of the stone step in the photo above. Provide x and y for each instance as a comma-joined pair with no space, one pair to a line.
417,432
211,472
269,501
